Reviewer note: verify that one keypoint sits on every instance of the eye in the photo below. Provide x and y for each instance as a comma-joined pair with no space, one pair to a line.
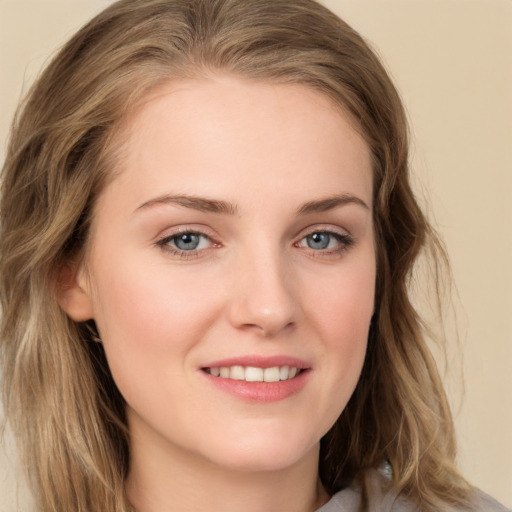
318,240
186,241
327,241
189,241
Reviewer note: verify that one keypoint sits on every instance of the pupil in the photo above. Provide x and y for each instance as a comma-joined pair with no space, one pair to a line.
318,241
187,242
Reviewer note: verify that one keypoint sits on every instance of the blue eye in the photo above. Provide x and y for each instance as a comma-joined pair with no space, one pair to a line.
326,241
186,242
318,240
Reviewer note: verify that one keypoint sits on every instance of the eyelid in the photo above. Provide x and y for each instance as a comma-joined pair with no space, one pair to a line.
323,228
180,229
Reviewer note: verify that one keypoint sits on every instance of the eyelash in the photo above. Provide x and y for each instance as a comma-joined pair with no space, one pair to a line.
345,242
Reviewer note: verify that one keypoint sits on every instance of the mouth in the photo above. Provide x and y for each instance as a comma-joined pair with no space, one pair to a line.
259,379
254,373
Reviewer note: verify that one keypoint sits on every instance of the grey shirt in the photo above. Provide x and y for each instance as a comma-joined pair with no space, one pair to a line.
378,500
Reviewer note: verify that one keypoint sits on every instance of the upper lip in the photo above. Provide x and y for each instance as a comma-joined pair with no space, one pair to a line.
259,362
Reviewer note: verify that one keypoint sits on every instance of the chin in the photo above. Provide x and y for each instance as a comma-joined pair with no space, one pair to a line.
265,454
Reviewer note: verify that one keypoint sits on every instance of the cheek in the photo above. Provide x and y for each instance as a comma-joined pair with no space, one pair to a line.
341,314
150,318
151,298
343,306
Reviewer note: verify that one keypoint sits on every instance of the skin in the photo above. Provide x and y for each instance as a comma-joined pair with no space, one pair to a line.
254,286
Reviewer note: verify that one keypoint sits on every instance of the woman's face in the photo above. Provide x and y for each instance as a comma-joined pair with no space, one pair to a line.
234,245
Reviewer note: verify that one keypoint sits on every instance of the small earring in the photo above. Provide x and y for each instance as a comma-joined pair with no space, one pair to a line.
93,331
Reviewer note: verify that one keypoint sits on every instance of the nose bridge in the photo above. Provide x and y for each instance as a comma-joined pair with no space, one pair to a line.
263,297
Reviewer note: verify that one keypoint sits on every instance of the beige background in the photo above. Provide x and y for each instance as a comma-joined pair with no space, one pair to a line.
452,60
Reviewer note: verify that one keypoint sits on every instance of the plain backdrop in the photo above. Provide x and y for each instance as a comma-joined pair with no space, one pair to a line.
452,62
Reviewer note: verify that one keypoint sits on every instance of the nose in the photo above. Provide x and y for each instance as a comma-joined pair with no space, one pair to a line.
263,299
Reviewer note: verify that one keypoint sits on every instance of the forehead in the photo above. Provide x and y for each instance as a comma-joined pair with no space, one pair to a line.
209,133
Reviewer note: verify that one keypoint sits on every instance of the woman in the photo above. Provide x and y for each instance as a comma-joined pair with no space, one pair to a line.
207,234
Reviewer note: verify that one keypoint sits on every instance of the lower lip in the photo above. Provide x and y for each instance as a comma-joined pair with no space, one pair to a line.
262,392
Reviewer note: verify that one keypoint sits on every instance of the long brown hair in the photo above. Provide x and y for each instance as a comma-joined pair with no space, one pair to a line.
58,393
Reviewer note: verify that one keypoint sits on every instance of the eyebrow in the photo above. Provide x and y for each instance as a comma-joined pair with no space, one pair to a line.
196,203
329,203
223,207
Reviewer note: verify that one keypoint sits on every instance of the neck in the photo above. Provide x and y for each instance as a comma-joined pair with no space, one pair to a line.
167,478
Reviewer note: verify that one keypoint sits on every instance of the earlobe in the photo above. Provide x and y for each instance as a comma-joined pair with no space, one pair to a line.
73,294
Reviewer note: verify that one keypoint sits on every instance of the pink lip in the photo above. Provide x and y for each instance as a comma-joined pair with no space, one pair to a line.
260,392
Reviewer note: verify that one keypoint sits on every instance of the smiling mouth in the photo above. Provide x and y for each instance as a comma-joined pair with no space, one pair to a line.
255,374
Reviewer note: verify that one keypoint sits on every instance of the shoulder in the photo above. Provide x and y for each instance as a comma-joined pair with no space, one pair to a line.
377,498
484,502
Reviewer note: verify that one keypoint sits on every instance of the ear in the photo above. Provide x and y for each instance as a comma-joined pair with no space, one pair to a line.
73,293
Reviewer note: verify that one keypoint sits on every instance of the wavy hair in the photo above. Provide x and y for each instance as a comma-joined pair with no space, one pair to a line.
58,393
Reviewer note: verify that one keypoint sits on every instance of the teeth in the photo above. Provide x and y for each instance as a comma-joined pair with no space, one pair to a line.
284,372
237,373
254,374
271,374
